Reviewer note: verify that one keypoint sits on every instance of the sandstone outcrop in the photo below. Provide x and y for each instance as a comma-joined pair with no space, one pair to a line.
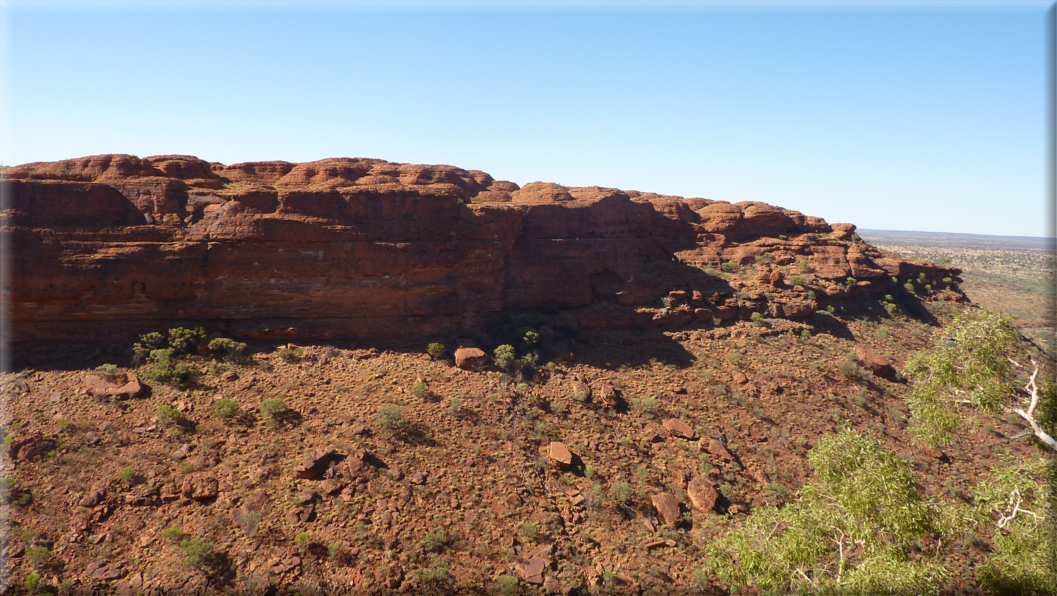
118,245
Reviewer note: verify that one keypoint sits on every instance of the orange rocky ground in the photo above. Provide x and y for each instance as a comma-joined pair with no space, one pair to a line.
670,437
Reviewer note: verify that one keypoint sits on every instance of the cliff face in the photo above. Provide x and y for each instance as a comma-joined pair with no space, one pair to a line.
115,244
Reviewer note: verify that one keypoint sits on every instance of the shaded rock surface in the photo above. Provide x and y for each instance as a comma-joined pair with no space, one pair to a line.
368,248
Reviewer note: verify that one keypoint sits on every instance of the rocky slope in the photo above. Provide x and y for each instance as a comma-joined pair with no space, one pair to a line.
345,248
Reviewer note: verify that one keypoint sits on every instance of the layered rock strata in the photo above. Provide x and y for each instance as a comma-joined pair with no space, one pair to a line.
347,248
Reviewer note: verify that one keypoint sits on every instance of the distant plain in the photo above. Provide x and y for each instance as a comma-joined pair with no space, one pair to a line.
1014,275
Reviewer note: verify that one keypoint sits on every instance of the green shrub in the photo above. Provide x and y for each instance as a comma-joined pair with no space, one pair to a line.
165,368
648,405
437,351
127,474
107,371
757,319
850,281
621,492
967,363
197,552
728,267
185,341
31,582
36,555
948,280
505,357
420,389
891,308
764,259
169,416
434,542
805,334
861,495
1024,545
287,354
529,531
172,534
580,396
909,287
391,416
805,266
810,294
508,585
274,409
531,337
147,343
797,280
226,349
225,408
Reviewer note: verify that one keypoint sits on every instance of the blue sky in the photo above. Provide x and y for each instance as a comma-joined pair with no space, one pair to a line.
903,116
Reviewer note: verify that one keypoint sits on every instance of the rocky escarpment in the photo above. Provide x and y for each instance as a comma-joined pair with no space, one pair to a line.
116,244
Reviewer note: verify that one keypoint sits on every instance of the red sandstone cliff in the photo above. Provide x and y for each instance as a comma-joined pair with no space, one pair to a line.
369,248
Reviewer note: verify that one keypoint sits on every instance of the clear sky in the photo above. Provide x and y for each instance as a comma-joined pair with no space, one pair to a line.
904,116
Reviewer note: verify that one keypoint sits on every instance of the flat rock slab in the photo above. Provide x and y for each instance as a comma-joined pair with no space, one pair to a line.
471,359
559,454
678,428
668,506
120,385
702,494
715,447
313,464
872,362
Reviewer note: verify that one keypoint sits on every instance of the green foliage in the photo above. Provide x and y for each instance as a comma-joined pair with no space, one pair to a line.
529,531
197,552
532,338
505,357
420,389
185,341
274,409
106,370
508,585
226,349
797,280
621,492
728,267
172,534
168,415
127,474
37,554
147,343
437,351
851,530
764,259
31,582
909,287
967,363
811,294
580,396
648,405
391,416
1024,552
287,354
435,542
436,578
757,319
225,408
805,266
891,308
805,334
165,368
